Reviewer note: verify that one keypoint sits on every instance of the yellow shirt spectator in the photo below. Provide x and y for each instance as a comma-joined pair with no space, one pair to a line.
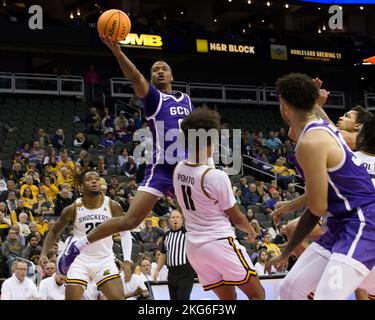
64,178
28,198
271,246
21,208
29,183
51,189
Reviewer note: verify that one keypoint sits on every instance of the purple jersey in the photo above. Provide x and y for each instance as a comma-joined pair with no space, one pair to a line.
165,112
349,185
350,219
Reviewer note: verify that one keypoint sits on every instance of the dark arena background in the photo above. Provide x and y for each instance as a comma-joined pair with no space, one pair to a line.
66,108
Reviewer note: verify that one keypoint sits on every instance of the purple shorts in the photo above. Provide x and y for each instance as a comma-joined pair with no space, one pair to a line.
158,180
353,237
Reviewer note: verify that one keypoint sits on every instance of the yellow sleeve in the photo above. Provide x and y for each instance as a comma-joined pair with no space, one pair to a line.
13,217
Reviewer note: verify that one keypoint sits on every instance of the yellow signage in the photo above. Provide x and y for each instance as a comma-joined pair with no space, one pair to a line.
206,46
144,41
316,55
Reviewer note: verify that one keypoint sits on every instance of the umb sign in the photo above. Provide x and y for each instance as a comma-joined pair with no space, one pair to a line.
206,46
143,41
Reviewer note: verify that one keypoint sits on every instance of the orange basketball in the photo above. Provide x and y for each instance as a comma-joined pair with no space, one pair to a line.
114,24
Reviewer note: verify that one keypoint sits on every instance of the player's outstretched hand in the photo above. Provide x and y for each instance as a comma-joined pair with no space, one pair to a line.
111,44
280,262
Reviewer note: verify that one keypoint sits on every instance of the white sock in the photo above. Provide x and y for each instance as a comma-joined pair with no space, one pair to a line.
82,243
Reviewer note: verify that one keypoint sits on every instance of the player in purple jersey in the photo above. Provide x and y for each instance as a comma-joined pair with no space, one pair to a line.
338,186
164,110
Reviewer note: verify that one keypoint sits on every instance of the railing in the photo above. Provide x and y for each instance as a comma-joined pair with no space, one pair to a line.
219,93
370,101
269,96
267,173
122,106
41,84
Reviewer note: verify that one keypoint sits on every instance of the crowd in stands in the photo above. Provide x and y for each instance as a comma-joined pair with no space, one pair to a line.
43,180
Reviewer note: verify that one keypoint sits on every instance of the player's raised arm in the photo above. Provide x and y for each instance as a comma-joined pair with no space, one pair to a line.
130,71
66,216
312,156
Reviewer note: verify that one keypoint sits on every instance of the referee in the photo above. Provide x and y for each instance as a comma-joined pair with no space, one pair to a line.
180,273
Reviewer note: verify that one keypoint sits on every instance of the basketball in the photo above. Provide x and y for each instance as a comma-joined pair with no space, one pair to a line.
114,24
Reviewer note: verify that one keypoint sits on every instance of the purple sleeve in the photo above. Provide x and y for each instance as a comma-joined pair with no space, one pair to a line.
151,101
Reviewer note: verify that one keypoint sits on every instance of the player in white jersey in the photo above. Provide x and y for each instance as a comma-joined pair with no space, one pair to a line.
206,198
97,262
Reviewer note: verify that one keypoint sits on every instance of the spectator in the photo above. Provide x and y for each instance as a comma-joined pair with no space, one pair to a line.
33,172
50,188
81,141
108,140
131,187
122,159
64,199
146,274
130,168
273,142
37,154
48,270
63,178
291,194
269,205
282,238
19,236
267,241
27,197
18,287
283,135
43,138
121,118
137,120
131,127
163,224
20,209
58,140
245,191
133,284
11,248
11,202
110,161
33,230
33,250
259,231
65,161
263,257
238,196
24,224
85,161
16,174
29,184
5,222
284,175
254,197
100,167
43,208
151,236
53,288
162,275
107,119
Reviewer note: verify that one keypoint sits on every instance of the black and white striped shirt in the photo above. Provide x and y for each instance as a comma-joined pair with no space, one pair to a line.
173,245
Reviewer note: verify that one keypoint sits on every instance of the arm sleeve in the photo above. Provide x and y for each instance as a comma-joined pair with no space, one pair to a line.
151,101
126,244
218,186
